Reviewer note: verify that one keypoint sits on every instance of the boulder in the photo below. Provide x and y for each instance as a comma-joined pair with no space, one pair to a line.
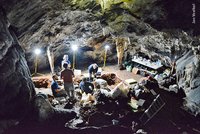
45,112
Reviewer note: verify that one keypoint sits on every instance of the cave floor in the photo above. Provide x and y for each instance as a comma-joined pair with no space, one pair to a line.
170,120
122,74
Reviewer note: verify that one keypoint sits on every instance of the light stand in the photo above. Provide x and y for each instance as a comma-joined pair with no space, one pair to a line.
74,48
105,55
37,53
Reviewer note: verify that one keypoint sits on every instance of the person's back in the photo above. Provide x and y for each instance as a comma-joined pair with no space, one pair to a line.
67,75
93,68
90,68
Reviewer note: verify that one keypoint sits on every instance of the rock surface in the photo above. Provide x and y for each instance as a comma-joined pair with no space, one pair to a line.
92,25
16,86
45,112
188,76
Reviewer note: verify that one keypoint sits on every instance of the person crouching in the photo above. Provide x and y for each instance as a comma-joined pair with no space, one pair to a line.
86,86
92,69
56,90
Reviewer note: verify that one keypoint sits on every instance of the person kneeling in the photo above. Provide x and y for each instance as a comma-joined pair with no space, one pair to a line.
86,86
56,90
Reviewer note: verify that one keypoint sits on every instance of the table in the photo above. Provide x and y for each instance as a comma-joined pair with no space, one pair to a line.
147,63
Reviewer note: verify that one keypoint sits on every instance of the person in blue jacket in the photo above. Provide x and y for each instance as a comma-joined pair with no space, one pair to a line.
86,86
56,90
92,69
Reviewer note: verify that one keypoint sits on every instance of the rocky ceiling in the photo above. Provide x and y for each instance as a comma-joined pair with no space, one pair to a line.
89,23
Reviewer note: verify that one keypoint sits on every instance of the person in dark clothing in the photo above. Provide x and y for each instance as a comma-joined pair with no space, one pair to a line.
92,69
56,90
86,86
67,77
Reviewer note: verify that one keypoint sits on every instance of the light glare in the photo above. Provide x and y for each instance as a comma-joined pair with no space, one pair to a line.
107,47
37,51
74,47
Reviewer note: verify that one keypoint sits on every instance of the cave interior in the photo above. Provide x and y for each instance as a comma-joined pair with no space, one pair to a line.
147,56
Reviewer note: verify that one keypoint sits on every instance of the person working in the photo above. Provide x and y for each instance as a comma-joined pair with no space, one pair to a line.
86,86
65,60
67,75
92,69
56,90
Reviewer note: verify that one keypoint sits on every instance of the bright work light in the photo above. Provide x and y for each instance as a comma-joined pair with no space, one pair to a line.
107,47
37,51
105,55
74,48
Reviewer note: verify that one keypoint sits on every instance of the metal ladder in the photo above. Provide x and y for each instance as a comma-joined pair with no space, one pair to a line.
153,109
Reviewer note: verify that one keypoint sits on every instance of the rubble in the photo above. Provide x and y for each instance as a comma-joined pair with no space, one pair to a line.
111,79
41,82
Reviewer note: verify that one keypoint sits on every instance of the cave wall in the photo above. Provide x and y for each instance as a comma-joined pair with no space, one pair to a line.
16,87
188,78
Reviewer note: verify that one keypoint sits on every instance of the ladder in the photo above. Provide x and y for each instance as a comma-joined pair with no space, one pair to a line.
152,110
